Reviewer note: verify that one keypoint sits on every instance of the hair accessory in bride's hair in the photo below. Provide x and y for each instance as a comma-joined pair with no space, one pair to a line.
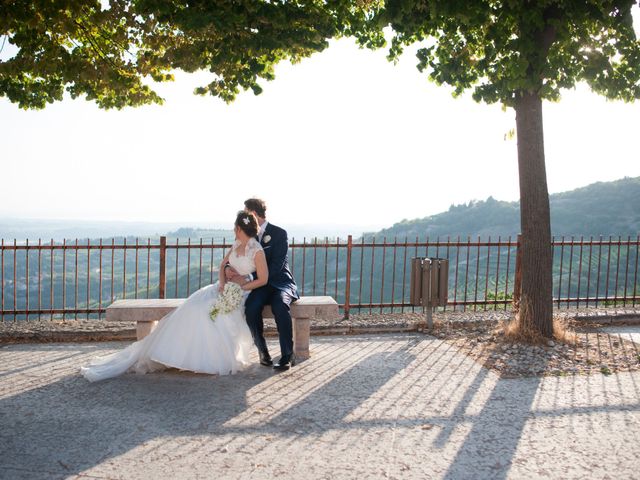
246,220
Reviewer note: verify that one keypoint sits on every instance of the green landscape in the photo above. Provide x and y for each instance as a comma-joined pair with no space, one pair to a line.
606,215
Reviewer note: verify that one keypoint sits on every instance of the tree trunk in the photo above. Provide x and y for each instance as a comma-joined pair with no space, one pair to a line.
536,304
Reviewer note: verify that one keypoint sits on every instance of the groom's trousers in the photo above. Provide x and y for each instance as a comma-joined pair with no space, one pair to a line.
280,306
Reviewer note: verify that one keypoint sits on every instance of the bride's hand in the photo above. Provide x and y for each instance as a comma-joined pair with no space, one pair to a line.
220,287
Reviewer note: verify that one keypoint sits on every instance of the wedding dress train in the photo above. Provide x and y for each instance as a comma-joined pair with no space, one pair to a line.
187,338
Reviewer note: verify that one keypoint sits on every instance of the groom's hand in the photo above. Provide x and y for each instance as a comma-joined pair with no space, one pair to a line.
231,275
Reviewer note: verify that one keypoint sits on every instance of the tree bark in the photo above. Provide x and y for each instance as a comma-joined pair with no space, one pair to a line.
536,300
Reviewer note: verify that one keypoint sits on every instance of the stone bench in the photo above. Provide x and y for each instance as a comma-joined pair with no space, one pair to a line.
147,312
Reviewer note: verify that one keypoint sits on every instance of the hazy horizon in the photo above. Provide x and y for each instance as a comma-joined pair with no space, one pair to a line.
342,138
59,228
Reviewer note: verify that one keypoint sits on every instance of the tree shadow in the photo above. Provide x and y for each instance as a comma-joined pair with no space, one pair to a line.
69,426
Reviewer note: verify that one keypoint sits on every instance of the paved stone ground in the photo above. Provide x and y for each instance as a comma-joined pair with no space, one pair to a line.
397,405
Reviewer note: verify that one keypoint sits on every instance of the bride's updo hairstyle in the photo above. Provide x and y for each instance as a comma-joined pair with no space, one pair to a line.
248,223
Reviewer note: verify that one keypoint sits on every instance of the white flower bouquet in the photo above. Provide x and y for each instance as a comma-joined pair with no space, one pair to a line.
228,300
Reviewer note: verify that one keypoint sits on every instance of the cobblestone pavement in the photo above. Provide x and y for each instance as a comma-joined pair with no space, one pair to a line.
395,405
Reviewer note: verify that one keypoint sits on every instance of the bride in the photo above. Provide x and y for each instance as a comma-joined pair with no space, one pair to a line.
187,338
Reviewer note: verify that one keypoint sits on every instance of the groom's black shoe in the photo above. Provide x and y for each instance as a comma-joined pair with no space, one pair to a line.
265,359
285,362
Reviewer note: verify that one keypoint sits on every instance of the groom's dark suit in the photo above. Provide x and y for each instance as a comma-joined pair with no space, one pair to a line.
280,292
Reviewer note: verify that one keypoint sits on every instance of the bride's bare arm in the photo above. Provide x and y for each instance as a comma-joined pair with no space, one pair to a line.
262,272
221,276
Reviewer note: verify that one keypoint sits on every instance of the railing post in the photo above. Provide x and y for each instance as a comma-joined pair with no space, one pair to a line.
517,285
347,289
163,267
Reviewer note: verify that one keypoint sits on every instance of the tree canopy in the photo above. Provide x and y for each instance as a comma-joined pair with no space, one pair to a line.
498,48
111,54
110,51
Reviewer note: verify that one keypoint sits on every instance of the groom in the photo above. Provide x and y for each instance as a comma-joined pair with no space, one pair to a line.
280,291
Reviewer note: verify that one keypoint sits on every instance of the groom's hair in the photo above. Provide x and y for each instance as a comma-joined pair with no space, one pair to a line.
247,222
256,205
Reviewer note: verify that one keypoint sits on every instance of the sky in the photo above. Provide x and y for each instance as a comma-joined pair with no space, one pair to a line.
343,139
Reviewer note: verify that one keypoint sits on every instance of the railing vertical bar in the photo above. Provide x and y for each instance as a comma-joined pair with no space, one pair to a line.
200,271
466,273
162,268
293,254
177,254
347,288
455,286
335,293
635,275
148,265
373,255
211,267
64,274
475,292
384,255
626,270
486,275
579,271
326,264
188,266
606,285
2,278
39,278
415,254
589,270
598,275
506,282
413,309
124,269
615,288
26,255
135,288
393,275
100,279
315,264
89,275
448,262
51,283
304,261
75,287
404,272
15,280
113,250
570,269
361,273
495,305
560,271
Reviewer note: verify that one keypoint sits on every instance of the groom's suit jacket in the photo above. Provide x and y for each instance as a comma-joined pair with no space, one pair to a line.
276,245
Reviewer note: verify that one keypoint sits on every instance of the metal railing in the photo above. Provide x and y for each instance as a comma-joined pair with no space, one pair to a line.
70,278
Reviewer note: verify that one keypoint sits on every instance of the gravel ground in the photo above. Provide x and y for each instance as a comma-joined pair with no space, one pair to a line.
588,349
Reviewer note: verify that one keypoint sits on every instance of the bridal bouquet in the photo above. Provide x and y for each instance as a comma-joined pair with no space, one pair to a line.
228,300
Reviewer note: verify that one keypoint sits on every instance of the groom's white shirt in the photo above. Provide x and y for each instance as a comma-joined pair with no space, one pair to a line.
261,230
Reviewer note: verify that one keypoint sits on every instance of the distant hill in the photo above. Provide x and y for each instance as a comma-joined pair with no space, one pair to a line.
603,208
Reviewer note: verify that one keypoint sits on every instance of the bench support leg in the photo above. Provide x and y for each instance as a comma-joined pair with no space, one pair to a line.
301,331
144,328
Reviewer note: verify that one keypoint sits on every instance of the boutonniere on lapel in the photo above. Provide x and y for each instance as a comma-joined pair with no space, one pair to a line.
266,239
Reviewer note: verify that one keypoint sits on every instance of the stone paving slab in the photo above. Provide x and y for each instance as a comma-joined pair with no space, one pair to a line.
630,332
405,406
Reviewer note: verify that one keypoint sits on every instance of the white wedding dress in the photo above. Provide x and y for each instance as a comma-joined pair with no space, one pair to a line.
187,338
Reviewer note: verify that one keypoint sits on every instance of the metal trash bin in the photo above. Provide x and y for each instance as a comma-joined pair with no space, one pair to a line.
429,284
